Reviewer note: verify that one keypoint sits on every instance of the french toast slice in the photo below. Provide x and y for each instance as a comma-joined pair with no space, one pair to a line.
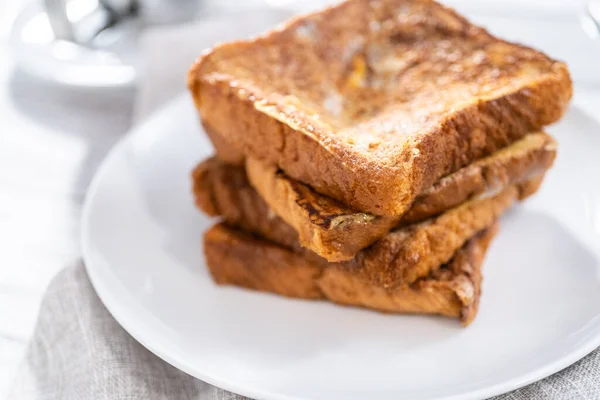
337,233
238,258
372,102
401,257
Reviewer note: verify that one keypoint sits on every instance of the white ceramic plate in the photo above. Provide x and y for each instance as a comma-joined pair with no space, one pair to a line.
539,313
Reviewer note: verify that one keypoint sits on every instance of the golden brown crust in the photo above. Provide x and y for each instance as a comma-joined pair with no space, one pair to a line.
464,271
223,148
234,257
401,257
324,225
530,187
522,161
337,233
237,258
223,190
408,97
409,253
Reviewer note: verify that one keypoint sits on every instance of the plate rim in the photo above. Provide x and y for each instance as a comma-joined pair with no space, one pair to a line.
103,292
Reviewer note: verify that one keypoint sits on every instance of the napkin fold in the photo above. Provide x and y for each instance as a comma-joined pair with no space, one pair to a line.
78,351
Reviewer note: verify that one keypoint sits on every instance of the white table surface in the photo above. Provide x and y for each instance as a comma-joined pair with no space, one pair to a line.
52,139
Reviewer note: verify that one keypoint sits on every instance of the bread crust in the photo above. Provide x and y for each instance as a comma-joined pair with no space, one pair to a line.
237,258
222,190
434,112
409,253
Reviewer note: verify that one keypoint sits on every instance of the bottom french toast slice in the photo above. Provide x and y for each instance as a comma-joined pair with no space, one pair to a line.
237,258
404,255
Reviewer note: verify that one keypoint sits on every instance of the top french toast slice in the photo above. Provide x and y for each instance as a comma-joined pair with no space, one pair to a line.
371,102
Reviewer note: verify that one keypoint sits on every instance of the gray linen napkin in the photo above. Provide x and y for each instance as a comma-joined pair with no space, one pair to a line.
79,351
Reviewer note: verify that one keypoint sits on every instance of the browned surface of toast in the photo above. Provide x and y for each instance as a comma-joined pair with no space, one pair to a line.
530,187
223,148
399,258
237,258
223,190
409,253
337,232
524,162
371,99
324,225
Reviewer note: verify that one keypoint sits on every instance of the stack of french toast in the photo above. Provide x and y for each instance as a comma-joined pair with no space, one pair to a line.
364,153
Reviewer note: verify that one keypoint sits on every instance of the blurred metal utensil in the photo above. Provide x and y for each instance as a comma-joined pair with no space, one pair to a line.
121,8
95,42
80,20
90,42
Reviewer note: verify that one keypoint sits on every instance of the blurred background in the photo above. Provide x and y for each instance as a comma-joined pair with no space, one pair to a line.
76,74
